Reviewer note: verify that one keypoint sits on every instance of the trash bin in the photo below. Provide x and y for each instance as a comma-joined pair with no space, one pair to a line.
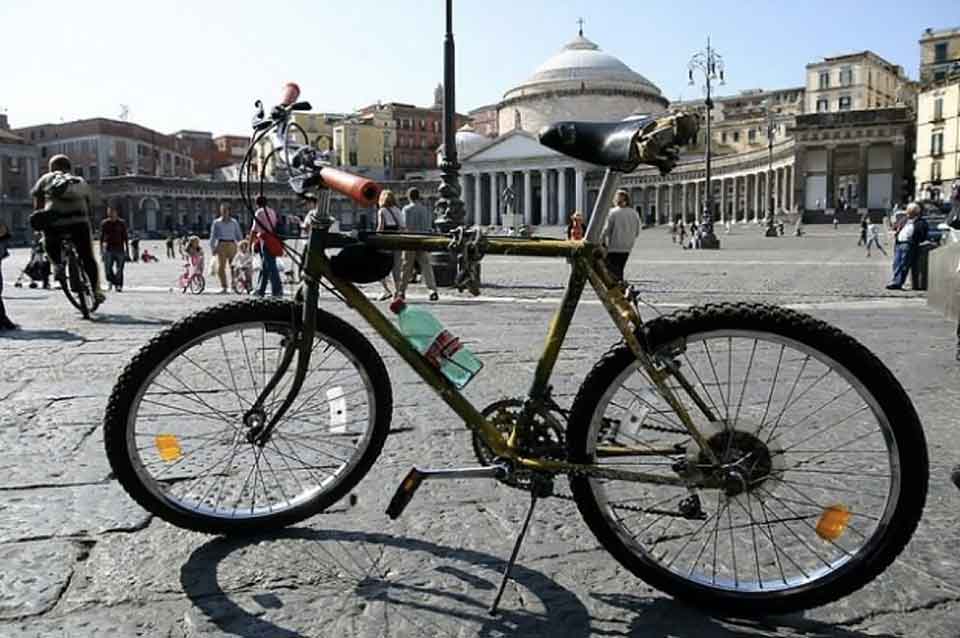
918,270
444,269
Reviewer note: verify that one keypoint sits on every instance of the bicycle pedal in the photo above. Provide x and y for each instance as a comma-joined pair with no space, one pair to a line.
411,482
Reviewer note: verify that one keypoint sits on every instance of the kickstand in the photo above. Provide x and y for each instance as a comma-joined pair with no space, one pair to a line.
513,555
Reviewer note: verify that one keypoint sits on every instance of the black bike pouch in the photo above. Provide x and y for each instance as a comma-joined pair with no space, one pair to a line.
40,220
361,264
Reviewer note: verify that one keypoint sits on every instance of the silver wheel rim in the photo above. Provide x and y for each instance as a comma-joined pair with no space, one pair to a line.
298,465
765,540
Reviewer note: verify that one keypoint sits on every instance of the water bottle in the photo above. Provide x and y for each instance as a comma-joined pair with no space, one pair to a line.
441,348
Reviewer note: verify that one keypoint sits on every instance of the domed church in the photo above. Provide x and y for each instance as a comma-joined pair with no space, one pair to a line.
513,173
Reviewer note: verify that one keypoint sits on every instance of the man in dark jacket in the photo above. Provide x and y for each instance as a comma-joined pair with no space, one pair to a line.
908,235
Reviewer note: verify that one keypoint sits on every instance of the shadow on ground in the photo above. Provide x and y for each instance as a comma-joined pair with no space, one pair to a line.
28,334
127,320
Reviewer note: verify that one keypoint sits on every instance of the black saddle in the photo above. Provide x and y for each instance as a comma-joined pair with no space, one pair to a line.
621,146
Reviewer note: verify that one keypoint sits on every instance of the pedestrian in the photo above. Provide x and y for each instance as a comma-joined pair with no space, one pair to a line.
673,231
169,242
264,230
416,219
619,234
683,235
389,218
62,204
38,268
135,246
873,238
909,233
225,233
113,248
575,227
5,322
863,232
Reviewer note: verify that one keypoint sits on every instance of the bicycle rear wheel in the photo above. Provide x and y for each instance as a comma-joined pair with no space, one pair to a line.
176,434
77,287
197,284
822,471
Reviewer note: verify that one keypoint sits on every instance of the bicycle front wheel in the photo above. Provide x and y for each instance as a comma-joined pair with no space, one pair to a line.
176,427
197,284
821,466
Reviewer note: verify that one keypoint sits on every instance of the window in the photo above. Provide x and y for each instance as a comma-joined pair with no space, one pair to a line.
936,144
935,172
736,136
93,173
43,151
940,76
869,79
723,138
843,104
423,125
938,109
79,171
353,158
824,79
752,135
823,105
940,52
846,76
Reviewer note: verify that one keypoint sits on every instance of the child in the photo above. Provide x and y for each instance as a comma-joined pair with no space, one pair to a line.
243,268
147,257
193,265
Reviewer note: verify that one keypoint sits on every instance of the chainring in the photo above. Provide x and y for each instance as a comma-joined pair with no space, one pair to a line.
547,441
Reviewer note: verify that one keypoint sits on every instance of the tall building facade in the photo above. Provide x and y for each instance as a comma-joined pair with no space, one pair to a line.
939,54
101,147
856,82
19,169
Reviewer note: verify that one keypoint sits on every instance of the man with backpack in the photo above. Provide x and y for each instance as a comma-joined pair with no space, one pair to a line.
62,203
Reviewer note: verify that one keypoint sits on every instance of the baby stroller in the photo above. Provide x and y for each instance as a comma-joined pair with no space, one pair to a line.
192,277
37,270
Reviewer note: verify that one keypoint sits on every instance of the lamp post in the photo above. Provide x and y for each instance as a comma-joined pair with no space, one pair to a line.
771,132
710,64
449,205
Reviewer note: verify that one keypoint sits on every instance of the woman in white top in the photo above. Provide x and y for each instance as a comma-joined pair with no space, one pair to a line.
389,218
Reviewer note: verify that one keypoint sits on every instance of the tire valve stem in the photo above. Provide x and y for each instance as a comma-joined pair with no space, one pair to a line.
833,522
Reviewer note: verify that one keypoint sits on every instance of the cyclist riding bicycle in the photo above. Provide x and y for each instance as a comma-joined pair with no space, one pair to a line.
63,202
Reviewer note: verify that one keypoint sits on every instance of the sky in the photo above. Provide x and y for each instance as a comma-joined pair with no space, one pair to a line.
200,64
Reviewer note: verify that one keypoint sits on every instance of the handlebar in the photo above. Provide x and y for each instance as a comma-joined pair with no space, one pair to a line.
359,189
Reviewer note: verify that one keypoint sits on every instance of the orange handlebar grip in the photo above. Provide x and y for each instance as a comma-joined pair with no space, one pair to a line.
359,189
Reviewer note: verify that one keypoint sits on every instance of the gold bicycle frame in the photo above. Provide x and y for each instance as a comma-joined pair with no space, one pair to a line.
587,265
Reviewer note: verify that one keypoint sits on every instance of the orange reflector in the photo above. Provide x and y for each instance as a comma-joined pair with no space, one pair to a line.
833,522
168,447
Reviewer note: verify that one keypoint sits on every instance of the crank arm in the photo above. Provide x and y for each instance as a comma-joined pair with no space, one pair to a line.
416,476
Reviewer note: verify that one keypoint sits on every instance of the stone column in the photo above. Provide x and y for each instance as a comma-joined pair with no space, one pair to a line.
477,198
493,197
830,204
862,177
697,196
579,189
899,160
562,213
755,179
544,196
723,200
788,188
736,200
685,201
527,198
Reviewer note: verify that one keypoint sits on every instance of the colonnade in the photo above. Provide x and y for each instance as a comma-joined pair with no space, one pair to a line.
541,196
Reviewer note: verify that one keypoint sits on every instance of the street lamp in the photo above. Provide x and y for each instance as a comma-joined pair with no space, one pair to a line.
449,206
771,132
709,63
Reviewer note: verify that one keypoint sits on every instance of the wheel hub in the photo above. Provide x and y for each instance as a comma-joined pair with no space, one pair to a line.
745,458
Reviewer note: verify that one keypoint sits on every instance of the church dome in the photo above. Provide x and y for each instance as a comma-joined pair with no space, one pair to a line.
580,82
582,60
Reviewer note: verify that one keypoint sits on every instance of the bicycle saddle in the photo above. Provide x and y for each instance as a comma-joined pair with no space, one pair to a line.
621,146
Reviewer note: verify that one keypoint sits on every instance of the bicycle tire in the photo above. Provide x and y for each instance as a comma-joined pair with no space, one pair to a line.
197,284
887,402
76,285
169,497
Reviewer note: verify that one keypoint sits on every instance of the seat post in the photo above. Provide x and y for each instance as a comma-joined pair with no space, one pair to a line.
611,180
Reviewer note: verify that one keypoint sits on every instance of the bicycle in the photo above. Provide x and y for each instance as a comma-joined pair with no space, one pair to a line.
704,451
192,278
75,283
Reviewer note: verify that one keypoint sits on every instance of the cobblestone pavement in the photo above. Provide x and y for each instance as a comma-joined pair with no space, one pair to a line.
79,558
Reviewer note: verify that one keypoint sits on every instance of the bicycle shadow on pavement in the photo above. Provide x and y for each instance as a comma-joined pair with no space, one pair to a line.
128,320
40,334
685,621
401,586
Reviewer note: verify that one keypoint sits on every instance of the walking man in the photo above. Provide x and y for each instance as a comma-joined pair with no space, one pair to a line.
908,233
113,247
416,219
619,234
225,234
873,238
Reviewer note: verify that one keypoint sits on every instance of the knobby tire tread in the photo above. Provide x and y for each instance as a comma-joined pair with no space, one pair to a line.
151,355
842,348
